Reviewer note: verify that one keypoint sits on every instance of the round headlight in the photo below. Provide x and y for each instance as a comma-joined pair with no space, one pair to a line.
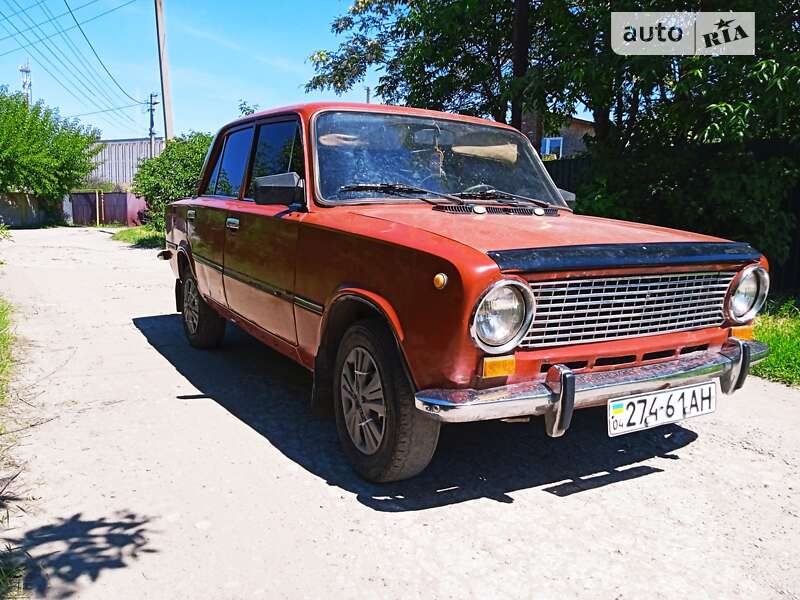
502,316
748,294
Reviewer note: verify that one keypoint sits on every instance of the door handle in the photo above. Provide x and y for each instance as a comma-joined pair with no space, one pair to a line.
190,214
232,224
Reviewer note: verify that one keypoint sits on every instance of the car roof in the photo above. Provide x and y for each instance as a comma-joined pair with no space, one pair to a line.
309,109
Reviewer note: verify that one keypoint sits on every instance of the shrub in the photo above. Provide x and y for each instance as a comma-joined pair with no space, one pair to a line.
172,175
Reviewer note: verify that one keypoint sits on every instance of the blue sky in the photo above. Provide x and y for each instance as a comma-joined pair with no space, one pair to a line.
219,52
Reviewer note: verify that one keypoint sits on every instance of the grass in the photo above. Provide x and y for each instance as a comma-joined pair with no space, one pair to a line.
143,236
6,339
11,571
780,328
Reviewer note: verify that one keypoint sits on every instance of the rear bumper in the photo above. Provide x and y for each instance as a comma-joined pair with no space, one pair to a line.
563,390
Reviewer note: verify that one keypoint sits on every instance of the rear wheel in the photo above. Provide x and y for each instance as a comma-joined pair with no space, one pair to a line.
204,328
382,433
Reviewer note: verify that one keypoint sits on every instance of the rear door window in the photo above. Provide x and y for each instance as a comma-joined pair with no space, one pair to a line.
235,156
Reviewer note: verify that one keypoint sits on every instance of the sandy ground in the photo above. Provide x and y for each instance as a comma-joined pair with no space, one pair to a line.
168,472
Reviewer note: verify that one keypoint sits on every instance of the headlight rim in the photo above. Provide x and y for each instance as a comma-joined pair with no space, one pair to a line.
530,311
762,277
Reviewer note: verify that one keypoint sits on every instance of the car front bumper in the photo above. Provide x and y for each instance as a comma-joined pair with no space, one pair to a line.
563,391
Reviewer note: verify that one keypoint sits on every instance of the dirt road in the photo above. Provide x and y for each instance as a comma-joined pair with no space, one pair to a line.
168,472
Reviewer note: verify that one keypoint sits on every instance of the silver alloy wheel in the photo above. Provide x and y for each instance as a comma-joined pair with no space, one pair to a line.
191,306
363,403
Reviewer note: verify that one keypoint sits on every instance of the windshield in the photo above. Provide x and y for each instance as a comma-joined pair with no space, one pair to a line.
440,155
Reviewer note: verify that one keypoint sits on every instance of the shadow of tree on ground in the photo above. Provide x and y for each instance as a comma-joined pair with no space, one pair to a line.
270,393
61,553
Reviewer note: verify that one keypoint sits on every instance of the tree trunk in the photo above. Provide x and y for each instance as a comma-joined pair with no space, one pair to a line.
602,122
538,130
520,50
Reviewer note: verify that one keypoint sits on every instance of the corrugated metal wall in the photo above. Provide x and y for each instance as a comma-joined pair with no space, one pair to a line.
119,160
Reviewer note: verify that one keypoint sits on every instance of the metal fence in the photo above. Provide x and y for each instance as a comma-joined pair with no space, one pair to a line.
119,160
114,207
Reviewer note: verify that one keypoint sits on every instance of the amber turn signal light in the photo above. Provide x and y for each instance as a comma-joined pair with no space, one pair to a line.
499,366
745,332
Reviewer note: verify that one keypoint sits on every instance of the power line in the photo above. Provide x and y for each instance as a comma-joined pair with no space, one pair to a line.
55,51
34,5
102,84
71,27
44,7
97,112
42,59
97,56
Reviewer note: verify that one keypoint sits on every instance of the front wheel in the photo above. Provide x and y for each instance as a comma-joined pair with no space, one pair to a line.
382,433
203,327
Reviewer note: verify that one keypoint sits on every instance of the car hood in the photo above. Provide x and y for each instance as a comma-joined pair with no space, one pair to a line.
507,232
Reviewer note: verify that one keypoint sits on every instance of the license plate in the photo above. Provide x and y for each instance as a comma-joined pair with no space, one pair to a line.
635,413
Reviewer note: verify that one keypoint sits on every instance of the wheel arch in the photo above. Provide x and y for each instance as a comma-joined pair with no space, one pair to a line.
348,306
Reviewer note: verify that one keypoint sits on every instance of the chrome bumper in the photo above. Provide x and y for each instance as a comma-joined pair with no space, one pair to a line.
562,391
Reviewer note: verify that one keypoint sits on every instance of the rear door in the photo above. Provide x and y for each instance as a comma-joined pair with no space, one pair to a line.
261,239
206,217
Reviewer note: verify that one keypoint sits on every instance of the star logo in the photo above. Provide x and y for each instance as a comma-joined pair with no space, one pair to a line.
722,23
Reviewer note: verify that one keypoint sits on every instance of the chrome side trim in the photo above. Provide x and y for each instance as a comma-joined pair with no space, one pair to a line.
209,263
259,285
591,389
308,305
305,303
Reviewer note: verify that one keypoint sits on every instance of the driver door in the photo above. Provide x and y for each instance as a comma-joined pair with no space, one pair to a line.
261,238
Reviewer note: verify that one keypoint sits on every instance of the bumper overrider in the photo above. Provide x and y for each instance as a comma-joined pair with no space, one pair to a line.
563,391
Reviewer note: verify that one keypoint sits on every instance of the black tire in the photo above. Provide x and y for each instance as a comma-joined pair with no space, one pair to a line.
409,437
209,328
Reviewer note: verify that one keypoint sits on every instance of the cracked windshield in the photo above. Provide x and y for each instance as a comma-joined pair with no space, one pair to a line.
381,157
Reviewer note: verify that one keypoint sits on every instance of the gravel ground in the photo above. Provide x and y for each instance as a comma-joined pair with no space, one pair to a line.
168,472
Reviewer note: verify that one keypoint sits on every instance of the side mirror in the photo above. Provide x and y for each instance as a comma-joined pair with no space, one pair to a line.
283,188
568,197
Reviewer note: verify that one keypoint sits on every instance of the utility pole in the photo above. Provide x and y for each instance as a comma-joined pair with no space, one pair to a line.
152,111
368,91
161,33
27,87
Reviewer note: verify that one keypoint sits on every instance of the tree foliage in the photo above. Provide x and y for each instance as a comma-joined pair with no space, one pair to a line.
40,153
679,139
172,175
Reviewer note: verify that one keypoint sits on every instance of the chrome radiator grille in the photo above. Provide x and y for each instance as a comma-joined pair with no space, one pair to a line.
578,311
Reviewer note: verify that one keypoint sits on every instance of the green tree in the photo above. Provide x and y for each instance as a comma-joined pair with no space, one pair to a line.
40,153
172,175
670,130
246,109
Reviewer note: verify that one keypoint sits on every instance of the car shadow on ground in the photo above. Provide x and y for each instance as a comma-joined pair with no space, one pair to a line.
59,554
271,394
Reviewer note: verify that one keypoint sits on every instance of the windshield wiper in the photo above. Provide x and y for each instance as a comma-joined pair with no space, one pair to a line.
399,189
495,194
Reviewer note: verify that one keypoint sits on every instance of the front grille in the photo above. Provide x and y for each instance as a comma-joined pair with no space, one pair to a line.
578,311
